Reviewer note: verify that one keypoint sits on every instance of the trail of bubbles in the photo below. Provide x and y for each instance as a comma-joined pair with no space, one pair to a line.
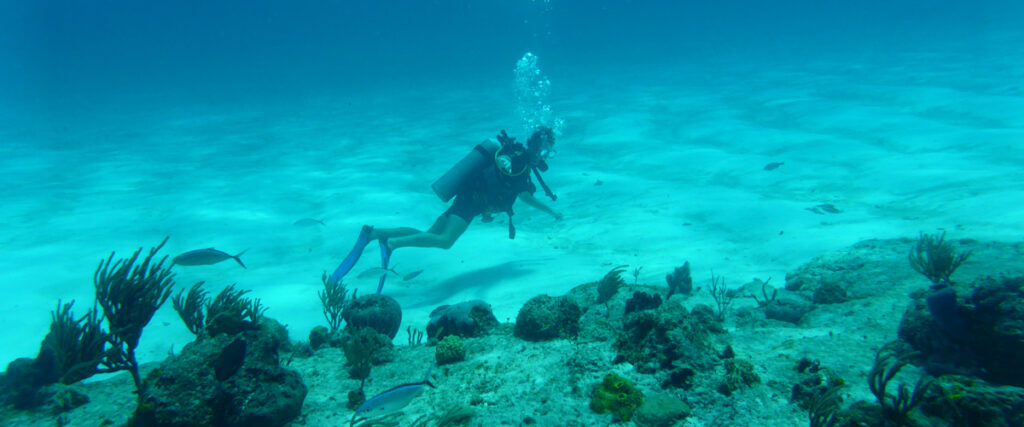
532,90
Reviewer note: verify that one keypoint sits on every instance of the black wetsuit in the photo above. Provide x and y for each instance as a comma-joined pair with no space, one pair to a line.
491,190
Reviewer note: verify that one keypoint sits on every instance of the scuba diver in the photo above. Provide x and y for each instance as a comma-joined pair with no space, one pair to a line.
487,181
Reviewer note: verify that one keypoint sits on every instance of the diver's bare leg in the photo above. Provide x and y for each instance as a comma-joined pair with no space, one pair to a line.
450,227
390,233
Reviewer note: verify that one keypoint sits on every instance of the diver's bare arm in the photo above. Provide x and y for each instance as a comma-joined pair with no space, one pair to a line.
532,201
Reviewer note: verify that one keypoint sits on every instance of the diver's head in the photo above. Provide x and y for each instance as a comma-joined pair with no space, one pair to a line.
541,146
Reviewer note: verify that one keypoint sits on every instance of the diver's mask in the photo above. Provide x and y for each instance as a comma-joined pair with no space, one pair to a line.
546,151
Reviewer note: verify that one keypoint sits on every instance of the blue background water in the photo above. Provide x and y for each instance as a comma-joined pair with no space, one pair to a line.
56,50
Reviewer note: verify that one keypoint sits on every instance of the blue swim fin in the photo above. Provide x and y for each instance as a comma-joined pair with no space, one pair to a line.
385,257
353,255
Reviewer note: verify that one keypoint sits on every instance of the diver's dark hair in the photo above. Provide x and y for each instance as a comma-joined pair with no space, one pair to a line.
541,135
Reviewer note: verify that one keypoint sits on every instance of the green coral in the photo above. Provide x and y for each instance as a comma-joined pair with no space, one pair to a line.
450,350
618,396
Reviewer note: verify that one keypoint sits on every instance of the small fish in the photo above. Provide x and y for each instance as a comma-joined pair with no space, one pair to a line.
206,256
307,222
230,359
376,272
773,165
827,207
391,400
411,276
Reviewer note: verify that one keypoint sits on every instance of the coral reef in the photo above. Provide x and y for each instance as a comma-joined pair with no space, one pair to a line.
670,349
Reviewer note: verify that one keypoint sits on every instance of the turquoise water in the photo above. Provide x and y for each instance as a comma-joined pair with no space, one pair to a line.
221,124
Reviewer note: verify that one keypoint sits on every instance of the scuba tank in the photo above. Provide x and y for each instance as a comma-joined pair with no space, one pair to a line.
481,156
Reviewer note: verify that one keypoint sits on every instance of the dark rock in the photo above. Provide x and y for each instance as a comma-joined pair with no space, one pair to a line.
865,269
365,344
680,378
679,281
705,315
830,293
66,398
356,398
997,329
318,337
806,390
378,312
278,332
653,340
229,324
788,310
812,384
642,301
229,360
738,373
23,382
977,403
185,391
546,318
727,353
465,319
661,410
994,342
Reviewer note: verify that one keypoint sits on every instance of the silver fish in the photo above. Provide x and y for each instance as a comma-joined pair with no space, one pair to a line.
773,165
306,222
376,272
206,256
411,276
827,207
392,400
